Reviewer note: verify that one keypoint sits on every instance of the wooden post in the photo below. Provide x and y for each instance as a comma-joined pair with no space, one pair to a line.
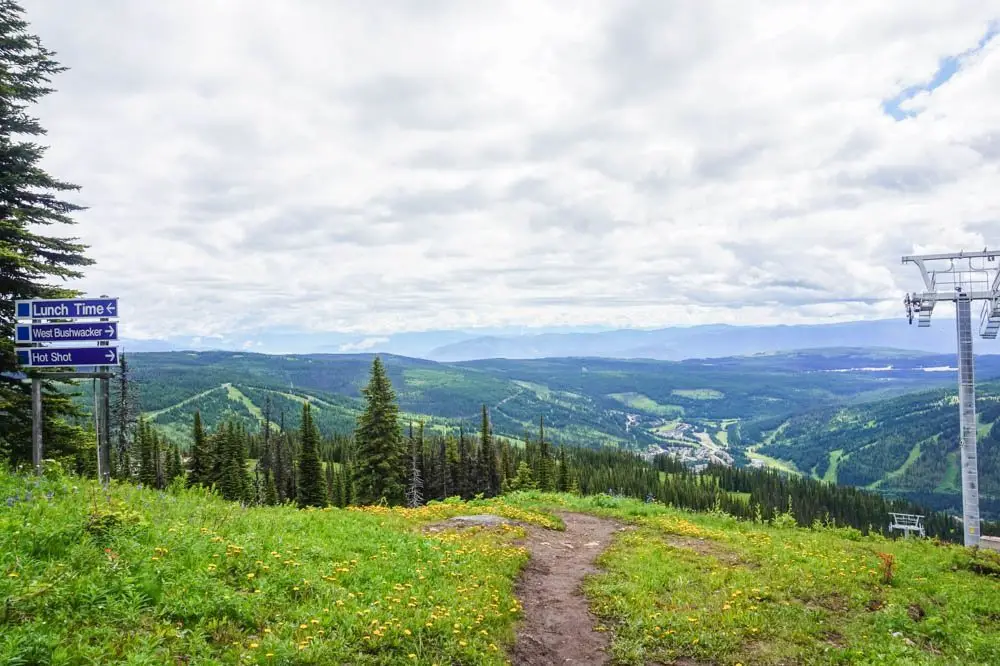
104,452
36,423
98,428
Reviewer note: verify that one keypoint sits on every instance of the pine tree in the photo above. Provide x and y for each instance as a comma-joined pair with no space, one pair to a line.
30,260
562,481
124,416
466,473
147,465
311,485
86,456
157,458
174,468
331,482
233,483
415,486
545,481
489,472
524,480
337,489
270,490
199,463
380,463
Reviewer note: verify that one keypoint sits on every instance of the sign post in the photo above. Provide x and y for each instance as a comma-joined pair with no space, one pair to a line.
51,323
36,424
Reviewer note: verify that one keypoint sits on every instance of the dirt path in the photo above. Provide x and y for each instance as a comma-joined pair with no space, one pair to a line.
558,625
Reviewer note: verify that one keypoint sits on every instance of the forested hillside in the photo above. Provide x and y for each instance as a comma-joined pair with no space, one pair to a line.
856,417
589,402
904,446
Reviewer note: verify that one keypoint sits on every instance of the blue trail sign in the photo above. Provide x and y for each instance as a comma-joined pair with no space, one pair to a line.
64,357
70,332
67,308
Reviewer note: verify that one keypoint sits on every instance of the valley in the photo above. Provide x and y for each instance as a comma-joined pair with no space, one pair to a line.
874,419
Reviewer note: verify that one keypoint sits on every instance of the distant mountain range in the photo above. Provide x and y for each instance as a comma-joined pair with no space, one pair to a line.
670,344
710,341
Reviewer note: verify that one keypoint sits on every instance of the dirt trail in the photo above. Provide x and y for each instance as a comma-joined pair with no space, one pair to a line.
558,625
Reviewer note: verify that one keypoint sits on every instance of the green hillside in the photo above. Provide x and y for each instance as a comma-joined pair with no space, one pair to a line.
132,576
822,413
589,402
904,446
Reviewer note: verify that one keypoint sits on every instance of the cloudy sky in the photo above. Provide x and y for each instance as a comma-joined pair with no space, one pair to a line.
431,164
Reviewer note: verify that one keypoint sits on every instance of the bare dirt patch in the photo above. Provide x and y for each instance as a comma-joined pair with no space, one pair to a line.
558,627
710,549
484,520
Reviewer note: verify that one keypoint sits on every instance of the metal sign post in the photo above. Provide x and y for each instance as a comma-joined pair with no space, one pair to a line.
55,321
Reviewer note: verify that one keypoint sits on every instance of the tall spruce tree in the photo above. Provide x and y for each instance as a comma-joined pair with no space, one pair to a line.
380,462
270,497
489,471
233,482
544,475
466,473
562,478
173,463
147,463
124,416
30,260
199,464
312,486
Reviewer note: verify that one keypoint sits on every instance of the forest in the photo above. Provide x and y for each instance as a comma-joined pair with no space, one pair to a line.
905,446
388,458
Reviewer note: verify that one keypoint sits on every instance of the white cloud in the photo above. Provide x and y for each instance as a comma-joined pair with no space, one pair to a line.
362,345
387,166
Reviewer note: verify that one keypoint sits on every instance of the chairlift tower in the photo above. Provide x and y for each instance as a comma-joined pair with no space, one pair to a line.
961,278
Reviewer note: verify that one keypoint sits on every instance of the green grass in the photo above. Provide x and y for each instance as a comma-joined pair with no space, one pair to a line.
951,481
144,577
774,463
695,588
152,415
699,394
831,470
646,404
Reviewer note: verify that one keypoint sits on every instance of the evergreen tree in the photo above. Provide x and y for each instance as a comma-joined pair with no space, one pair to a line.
199,464
337,489
85,462
147,465
380,466
174,468
157,458
524,480
415,487
270,490
233,483
562,479
331,480
546,482
30,260
489,471
311,485
281,464
124,416
466,475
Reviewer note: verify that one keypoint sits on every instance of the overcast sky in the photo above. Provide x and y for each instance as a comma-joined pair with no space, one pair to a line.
377,166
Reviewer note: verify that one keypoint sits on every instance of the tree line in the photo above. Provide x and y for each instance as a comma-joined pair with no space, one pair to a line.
385,462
